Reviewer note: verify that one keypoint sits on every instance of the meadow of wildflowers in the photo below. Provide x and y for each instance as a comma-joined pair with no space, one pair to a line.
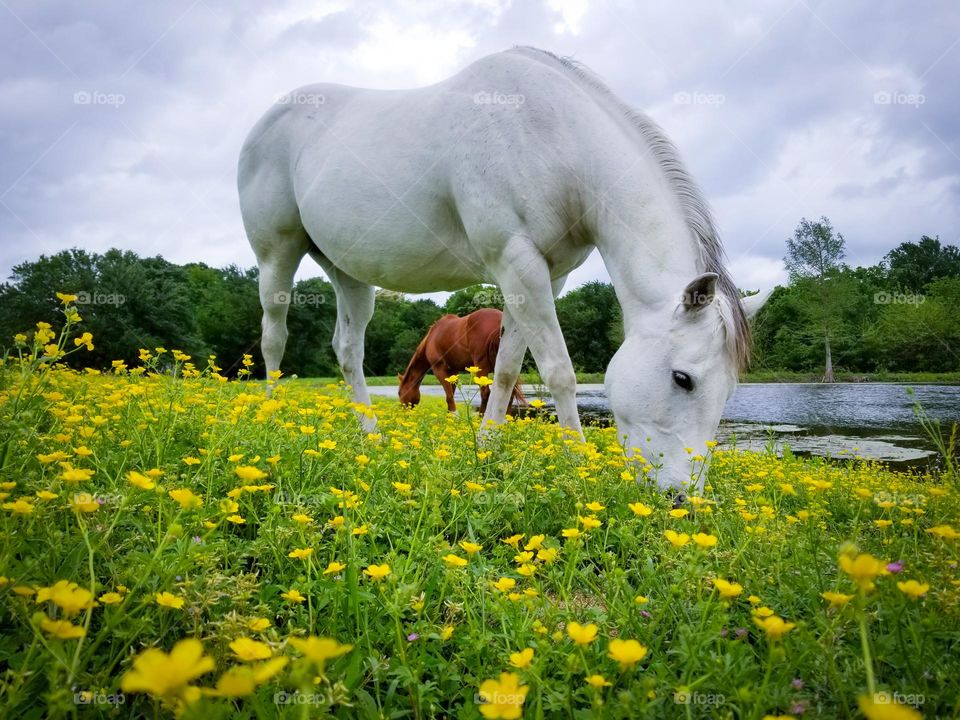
174,543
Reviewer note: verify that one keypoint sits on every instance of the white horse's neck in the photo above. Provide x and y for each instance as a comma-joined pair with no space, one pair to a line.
651,255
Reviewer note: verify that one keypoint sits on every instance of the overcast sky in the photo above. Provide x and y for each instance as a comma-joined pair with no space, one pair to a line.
120,122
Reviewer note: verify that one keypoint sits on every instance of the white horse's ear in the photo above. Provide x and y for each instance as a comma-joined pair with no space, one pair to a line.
700,292
753,303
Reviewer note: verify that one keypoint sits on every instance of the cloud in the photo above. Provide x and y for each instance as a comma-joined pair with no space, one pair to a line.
121,123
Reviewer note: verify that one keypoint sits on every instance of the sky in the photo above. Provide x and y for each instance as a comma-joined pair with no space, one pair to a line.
121,122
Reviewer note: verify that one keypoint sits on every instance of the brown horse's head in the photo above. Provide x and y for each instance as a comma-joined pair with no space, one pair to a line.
409,391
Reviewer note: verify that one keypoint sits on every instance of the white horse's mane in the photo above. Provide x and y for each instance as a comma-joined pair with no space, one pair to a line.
694,206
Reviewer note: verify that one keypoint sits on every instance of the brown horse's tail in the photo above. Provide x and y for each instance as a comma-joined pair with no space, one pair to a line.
492,348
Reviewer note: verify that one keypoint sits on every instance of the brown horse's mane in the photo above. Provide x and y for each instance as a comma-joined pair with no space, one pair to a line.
418,367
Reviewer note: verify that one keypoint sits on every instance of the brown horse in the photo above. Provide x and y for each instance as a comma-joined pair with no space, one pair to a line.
452,344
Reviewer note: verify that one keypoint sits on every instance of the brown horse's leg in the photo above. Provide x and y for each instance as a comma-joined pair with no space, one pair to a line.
442,372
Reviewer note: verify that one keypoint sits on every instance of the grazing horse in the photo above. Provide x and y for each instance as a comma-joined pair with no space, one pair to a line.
510,172
451,344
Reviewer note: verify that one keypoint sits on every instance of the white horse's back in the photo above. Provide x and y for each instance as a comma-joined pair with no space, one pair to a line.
428,176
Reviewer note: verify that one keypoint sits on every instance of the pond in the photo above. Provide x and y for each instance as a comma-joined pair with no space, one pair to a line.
871,420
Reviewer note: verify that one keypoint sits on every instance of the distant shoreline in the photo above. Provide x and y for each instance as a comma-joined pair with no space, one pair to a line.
760,376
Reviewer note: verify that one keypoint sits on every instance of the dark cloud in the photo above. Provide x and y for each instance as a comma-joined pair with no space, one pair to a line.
120,122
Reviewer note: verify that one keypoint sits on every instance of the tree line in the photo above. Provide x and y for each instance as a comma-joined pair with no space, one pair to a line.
899,315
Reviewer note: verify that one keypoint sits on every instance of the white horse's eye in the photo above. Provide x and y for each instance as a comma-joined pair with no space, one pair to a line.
683,380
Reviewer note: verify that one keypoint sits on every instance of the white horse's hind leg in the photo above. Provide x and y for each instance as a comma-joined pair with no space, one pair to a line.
524,278
277,269
355,302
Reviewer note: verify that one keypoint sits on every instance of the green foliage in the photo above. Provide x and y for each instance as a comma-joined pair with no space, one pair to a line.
914,265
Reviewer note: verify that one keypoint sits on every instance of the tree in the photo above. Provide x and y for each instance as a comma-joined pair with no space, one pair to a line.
814,255
469,299
912,266
592,325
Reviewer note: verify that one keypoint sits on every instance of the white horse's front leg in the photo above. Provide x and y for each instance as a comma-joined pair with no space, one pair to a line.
354,309
524,279
509,362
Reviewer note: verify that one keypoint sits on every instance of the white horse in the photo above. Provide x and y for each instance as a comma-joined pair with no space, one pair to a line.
511,172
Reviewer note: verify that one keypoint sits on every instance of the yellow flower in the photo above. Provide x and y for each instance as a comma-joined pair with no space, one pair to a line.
502,698
62,629
83,502
402,488
236,519
678,540
140,480
243,680
248,649
639,509
582,634
71,474
248,473
504,584
166,599
482,380
20,507
453,379
590,522
536,542
913,589
727,589
258,624
547,555
863,569
471,548
362,530
454,561
185,498
377,572
293,595
597,681
68,596
66,298
944,532
513,540
774,626
704,540
302,519
880,707
334,567
626,652
836,599
446,633
571,533
595,507
679,513
320,649
300,553
110,598
162,675
522,659
46,495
